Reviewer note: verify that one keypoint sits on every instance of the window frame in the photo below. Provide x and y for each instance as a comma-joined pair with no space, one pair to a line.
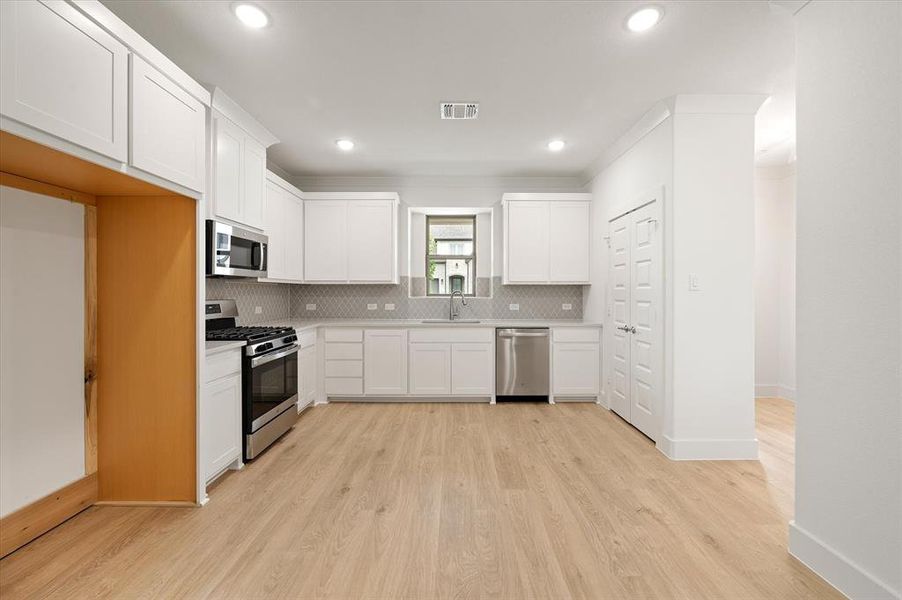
447,257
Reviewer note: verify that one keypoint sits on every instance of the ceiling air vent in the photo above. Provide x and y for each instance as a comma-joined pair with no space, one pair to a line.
459,110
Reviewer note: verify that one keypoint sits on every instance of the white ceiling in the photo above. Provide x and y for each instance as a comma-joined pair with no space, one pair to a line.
376,72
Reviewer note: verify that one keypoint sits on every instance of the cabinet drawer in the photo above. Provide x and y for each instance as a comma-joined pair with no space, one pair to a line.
344,351
344,335
222,364
307,339
450,335
339,386
576,334
344,368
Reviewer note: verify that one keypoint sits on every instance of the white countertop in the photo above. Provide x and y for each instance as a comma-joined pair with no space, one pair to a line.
307,324
217,347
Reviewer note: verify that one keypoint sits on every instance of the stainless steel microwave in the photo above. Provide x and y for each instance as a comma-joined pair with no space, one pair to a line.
235,252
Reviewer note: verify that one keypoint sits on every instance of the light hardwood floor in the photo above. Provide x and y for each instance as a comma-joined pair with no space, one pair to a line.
449,500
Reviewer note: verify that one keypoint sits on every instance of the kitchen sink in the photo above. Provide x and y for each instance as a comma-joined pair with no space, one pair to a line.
450,321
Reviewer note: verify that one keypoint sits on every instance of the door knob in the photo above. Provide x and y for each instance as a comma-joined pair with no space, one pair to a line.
632,330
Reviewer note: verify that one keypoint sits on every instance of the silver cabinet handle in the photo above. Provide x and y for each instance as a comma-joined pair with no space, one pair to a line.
510,334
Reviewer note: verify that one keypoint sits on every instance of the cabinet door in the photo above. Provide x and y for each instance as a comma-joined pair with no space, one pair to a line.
325,241
294,237
254,182
371,240
385,361
472,369
64,75
568,241
575,369
526,246
228,169
167,128
307,364
275,227
430,369
221,435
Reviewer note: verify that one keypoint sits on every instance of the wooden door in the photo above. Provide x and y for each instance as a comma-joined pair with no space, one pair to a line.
619,281
645,325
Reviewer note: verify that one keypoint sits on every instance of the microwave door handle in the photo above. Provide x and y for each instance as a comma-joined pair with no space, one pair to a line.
266,358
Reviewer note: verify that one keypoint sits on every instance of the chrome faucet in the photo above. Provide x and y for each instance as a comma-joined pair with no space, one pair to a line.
452,314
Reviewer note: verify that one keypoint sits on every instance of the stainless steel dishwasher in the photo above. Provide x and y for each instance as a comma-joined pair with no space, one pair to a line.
521,362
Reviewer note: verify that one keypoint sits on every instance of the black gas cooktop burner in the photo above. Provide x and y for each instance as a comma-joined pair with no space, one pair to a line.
248,334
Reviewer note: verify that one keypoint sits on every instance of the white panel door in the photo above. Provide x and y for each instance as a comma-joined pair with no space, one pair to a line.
254,182
472,369
575,369
568,240
275,226
645,306
294,234
430,369
168,128
527,242
619,281
385,362
371,240
64,75
228,169
221,410
325,241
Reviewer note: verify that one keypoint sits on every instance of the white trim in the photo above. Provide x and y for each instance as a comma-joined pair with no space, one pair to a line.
708,449
352,196
546,197
647,123
276,179
775,390
835,568
243,119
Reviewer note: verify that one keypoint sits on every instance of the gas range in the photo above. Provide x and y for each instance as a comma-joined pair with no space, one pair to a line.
269,374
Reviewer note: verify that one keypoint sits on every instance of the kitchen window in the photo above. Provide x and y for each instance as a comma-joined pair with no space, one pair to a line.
450,255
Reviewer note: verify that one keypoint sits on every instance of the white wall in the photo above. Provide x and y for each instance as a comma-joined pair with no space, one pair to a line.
848,511
41,346
775,299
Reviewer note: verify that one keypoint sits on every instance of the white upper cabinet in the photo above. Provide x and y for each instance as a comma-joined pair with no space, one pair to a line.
351,238
239,164
546,238
62,74
168,128
283,224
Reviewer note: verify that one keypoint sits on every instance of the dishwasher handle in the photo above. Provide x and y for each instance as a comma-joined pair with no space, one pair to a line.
511,333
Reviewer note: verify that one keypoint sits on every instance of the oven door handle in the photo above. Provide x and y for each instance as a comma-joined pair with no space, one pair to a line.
262,360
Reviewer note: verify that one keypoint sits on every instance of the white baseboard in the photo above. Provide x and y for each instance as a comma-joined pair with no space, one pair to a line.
836,569
774,390
703,449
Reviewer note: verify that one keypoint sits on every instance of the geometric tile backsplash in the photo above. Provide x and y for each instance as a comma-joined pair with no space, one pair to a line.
283,301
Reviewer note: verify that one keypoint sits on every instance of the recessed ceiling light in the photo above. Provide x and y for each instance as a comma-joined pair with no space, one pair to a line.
345,145
556,145
644,19
251,15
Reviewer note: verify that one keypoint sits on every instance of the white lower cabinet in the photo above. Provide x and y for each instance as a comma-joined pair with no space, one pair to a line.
576,362
307,371
221,414
472,369
385,362
430,369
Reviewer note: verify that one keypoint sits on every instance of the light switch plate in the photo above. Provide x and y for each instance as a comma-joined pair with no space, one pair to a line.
566,306
514,307
389,307
311,307
258,310
372,306
694,285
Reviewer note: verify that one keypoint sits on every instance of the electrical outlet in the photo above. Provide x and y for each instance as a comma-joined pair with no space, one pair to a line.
514,307
389,307
258,310
311,307
566,307
372,306
694,285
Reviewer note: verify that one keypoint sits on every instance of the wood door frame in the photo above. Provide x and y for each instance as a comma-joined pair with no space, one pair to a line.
655,195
